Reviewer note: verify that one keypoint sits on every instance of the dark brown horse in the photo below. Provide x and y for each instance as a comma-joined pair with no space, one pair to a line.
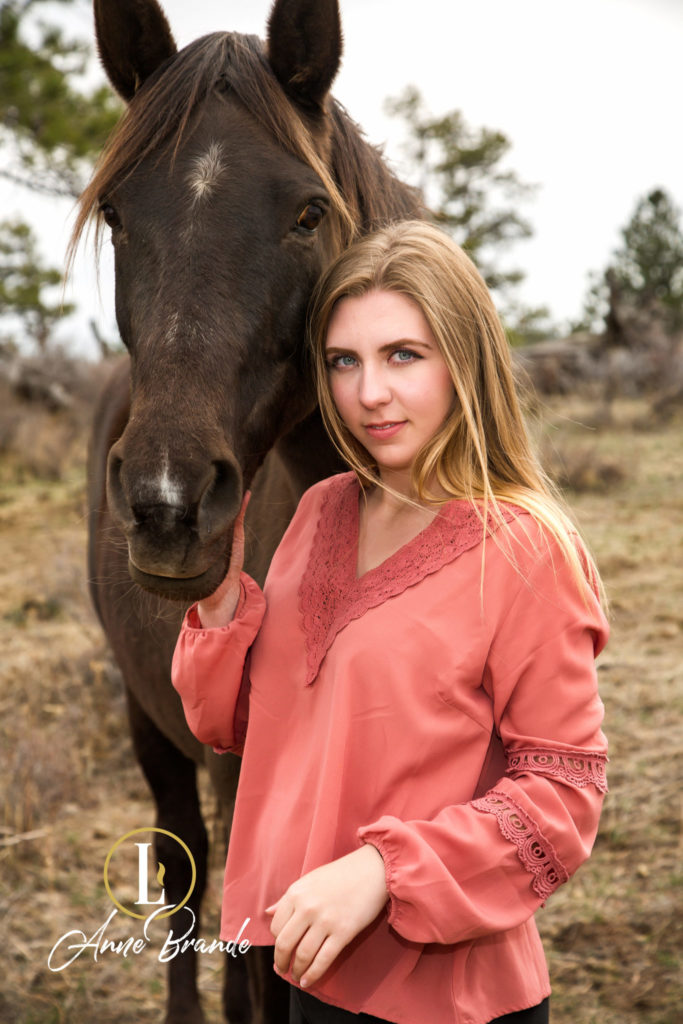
230,182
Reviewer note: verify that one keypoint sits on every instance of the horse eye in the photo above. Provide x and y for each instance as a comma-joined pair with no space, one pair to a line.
310,217
110,215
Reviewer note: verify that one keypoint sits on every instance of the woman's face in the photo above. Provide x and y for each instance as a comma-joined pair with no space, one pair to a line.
388,379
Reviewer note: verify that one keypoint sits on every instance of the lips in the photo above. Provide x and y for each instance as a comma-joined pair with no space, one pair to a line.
387,429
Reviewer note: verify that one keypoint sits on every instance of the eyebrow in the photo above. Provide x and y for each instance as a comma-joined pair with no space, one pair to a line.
388,347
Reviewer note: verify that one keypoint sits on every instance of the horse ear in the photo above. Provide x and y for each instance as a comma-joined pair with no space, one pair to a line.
305,47
133,39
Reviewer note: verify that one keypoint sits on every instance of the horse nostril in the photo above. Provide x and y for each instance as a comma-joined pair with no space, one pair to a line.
220,502
115,494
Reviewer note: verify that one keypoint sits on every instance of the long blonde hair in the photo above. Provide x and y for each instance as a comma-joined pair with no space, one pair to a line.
482,453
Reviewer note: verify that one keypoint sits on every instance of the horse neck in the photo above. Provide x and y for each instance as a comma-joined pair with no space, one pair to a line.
308,453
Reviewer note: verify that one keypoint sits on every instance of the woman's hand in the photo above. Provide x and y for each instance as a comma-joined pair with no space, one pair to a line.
324,910
219,608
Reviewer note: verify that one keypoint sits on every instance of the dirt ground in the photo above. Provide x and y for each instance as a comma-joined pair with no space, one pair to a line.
70,787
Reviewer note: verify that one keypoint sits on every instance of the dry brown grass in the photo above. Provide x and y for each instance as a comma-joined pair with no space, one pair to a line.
70,787
614,934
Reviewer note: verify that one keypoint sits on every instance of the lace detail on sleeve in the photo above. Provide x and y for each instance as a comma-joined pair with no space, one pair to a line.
578,767
331,595
533,849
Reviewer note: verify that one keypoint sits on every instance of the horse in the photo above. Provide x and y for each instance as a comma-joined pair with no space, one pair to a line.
231,180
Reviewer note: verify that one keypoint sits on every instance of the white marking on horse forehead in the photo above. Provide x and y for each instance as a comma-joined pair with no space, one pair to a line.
169,491
180,326
173,326
205,173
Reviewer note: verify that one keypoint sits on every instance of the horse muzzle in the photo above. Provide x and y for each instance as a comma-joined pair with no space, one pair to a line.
178,528
174,588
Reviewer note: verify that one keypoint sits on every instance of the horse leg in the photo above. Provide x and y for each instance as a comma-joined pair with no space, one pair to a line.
251,982
172,779
252,992
269,993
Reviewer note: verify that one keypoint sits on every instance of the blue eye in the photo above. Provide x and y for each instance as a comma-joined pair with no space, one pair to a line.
404,355
340,361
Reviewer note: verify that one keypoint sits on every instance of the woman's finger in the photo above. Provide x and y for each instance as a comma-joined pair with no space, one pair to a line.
307,950
237,553
282,911
288,939
285,944
327,953
219,607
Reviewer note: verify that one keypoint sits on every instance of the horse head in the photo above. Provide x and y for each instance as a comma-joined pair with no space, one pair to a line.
231,180
222,214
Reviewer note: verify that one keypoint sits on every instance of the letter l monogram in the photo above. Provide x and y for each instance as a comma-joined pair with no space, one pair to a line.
143,893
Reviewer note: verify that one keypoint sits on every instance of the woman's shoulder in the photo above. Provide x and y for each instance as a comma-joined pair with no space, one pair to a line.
544,562
503,527
530,537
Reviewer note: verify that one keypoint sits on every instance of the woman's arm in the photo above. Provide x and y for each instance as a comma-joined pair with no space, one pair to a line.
324,910
208,671
208,668
218,609
485,866
210,664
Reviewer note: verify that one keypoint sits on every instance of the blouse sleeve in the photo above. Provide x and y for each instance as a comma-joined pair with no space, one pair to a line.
487,865
209,671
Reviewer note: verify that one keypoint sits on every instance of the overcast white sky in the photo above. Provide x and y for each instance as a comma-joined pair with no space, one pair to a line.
588,92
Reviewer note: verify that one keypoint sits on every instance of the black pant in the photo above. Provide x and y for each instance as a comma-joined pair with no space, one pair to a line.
305,1009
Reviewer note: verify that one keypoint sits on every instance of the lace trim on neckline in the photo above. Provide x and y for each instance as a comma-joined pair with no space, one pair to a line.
578,767
330,593
534,850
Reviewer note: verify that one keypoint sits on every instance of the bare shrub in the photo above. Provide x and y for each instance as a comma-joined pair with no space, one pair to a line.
582,469
45,412
64,732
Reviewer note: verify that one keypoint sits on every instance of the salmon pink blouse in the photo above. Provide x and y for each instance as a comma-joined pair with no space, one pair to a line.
451,721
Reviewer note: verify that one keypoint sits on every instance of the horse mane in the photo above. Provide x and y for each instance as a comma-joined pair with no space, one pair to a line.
376,196
363,191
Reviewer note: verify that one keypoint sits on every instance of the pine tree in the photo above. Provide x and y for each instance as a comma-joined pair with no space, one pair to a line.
23,281
50,131
458,169
648,265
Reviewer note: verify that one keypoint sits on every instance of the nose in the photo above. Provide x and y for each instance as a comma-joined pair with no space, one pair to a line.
373,387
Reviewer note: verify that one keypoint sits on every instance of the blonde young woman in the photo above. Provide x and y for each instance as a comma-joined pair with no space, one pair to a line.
414,692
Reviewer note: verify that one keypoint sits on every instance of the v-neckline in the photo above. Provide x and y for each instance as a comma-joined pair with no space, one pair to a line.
331,594
355,553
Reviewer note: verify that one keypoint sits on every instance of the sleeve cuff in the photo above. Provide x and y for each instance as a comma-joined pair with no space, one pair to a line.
250,600
374,836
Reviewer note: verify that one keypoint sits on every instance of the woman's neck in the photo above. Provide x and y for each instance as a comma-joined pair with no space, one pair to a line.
386,523
395,493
